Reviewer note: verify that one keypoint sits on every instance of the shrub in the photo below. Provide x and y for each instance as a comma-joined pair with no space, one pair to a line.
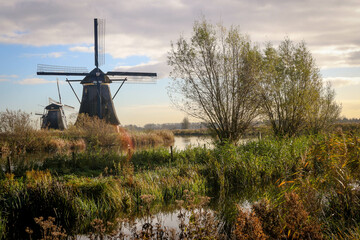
248,226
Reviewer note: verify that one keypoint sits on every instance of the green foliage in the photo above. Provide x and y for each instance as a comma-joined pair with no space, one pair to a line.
89,163
257,163
215,74
75,201
2,227
294,99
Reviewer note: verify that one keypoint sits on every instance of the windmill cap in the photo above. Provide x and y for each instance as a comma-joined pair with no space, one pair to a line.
95,74
53,106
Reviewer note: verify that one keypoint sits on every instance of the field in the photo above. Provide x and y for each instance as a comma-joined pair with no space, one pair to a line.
299,188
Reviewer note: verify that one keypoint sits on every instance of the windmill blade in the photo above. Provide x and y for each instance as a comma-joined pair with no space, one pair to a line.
101,41
53,101
132,74
135,80
141,82
57,82
39,114
44,69
68,106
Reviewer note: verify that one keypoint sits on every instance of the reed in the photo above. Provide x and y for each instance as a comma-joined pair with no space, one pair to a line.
256,163
89,132
151,138
76,201
314,182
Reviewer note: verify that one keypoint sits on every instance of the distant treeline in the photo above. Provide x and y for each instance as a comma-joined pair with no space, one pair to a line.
170,126
349,120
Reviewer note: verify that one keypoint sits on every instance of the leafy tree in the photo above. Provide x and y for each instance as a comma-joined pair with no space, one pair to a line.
215,74
185,124
294,98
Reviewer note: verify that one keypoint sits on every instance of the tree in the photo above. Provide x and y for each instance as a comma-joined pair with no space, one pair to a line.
185,124
323,112
293,96
15,121
215,74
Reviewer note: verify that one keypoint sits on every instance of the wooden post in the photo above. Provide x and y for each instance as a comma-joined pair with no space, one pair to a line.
171,154
73,159
9,164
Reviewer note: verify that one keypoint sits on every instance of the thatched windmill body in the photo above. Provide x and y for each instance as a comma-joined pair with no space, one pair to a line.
96,97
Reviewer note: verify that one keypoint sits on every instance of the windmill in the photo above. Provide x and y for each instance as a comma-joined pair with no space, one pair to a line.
96,97
54,116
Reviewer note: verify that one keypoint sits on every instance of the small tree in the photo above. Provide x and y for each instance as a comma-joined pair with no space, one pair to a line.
15,121
185,124
323,112
215,74
292,92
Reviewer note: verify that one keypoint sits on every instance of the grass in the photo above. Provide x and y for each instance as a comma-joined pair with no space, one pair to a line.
298,187
76,201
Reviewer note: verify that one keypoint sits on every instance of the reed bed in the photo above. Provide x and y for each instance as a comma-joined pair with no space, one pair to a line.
306,187
77,139
76,201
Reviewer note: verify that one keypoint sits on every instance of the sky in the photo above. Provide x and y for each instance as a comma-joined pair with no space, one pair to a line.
138,37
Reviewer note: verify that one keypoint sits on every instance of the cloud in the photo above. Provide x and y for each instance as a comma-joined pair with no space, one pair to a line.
45,55
34,81
162,69
82,49
343,81
7,78
142,27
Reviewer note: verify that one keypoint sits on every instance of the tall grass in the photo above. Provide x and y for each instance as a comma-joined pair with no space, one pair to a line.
255,163
324,192
76,201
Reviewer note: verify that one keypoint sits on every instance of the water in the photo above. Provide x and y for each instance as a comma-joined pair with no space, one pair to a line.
181,142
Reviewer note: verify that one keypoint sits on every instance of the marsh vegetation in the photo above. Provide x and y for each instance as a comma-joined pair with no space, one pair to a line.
295,188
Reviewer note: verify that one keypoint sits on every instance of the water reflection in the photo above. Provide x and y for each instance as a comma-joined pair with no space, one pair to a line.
182,142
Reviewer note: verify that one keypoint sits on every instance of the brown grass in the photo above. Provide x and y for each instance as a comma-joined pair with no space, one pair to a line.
288,220
248,226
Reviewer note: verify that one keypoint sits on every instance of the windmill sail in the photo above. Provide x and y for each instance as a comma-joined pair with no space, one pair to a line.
44,69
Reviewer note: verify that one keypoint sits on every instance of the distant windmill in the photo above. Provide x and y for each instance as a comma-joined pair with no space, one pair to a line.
96,98
54,116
